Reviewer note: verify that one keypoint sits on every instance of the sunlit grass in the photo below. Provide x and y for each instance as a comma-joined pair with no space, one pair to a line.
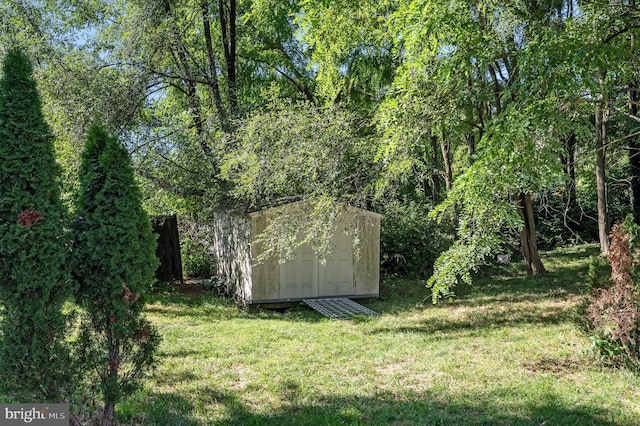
504,352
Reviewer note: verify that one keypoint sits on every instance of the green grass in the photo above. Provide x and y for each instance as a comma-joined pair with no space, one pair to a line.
505,352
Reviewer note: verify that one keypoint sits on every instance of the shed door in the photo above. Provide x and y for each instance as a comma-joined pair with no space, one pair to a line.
304,276
336,275
299,275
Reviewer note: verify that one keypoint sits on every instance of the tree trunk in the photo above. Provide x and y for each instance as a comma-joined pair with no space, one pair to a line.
180,56
168,248
497,90
528,237
634,144
445,148
109,414
568,160
601,178
214,88
435,176
110,382
634,156
471,146
229,45
471,137
194,109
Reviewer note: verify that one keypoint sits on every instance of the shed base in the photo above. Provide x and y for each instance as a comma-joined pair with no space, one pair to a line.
253,302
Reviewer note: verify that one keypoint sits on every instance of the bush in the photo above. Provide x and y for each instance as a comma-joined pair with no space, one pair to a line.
559,225
197,259
216,285
196,262
410,241
613,308
597,279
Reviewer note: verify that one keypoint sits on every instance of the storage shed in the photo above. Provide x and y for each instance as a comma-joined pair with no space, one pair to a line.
303,275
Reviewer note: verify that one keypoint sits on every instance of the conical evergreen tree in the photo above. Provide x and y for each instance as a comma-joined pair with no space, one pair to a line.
34,280
115,261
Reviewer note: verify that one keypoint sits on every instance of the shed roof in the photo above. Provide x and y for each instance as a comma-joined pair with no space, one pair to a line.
310,203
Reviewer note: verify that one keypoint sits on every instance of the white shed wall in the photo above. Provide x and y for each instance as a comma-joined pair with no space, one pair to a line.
232,249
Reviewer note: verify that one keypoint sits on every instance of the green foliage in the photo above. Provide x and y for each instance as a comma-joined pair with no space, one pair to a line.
196,261
215,285
410,241
114,259
295,150
196,264
34,279
610,351
461,79
456,265
598,275
496,82
599,272
561,225
567,213
313,221
482,198
349,48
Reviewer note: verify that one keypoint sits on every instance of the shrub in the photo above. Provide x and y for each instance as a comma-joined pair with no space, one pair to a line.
559,224
216,285
34,279
197,264
197,259
613,310
115,261
410,241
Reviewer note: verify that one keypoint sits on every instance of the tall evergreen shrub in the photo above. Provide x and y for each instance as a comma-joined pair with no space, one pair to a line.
115,262
34,359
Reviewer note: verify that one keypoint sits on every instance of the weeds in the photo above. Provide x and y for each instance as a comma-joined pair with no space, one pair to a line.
613,310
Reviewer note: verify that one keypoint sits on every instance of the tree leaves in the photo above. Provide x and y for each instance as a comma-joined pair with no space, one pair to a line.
297,151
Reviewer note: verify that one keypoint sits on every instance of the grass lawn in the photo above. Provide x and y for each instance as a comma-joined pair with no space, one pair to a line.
505,352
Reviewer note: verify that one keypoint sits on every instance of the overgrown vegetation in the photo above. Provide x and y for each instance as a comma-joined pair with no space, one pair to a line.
475,126
197,259
410,241
612,307
521,117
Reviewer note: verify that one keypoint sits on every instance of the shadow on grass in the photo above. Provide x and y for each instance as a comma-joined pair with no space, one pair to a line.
495,286
211,307
505,300
493,303
156,409
382,409
485,319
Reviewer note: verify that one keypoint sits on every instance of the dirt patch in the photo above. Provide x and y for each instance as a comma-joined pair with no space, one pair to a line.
556,365
191,287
